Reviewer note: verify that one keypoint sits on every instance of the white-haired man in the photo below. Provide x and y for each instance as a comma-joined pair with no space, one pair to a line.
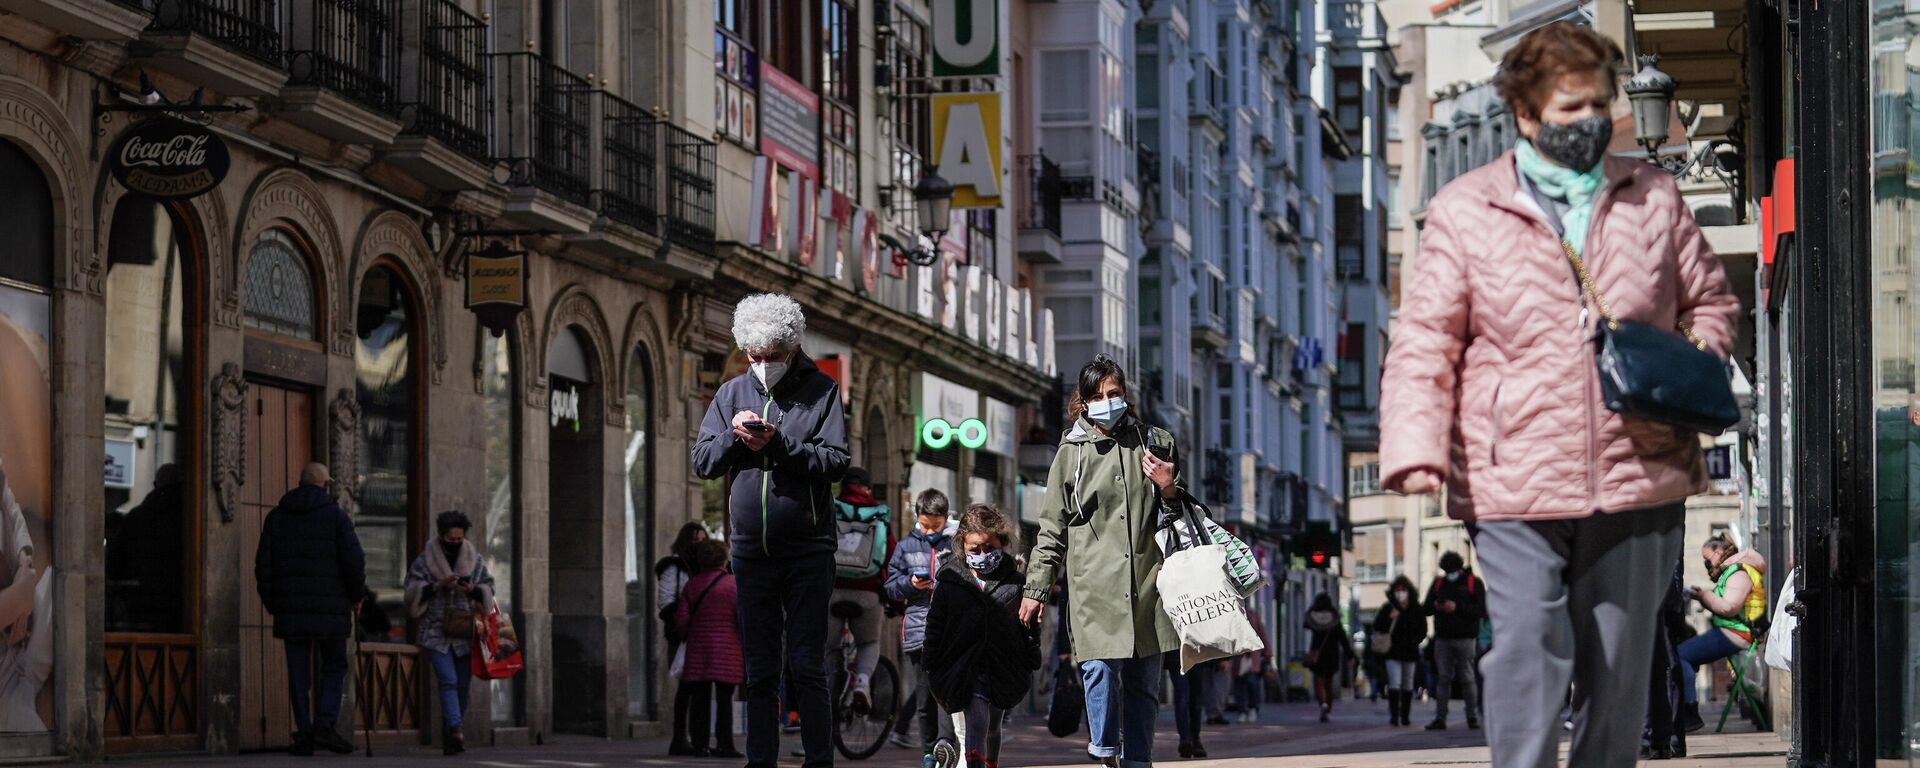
779,431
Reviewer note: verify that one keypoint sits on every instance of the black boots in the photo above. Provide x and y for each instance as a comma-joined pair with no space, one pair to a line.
1396,701
455,742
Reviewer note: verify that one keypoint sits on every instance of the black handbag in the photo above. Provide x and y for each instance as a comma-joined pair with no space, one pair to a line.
1650,373
1069,703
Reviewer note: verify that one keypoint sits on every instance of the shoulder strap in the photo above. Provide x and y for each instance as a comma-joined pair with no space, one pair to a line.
693,610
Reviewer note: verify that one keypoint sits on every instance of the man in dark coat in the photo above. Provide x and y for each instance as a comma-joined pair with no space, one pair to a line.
1457,601
312,575
780,434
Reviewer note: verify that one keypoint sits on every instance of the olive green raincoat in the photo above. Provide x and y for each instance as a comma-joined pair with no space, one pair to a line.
1097,523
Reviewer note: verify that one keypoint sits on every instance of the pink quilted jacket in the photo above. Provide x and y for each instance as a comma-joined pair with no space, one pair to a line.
1491,382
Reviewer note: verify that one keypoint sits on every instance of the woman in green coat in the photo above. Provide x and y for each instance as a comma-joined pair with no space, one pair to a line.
1103,504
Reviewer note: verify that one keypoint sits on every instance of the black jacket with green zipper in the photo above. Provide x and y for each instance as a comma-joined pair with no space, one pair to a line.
782,501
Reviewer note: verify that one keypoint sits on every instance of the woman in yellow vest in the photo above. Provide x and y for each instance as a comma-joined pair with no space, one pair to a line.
1737,599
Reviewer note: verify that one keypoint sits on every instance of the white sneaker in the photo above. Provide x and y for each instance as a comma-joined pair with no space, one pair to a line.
946,754
862,692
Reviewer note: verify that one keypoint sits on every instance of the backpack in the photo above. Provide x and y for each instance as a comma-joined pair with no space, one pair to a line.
862,536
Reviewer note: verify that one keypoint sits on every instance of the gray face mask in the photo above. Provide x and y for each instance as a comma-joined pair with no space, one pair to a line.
1578,145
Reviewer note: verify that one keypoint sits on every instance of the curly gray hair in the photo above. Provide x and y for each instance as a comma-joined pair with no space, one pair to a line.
767,320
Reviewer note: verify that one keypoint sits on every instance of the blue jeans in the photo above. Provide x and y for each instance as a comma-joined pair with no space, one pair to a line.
1703,649
1123,700
782,611
455,673
333,680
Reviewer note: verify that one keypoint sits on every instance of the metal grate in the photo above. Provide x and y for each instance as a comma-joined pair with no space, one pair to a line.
251,27
690,189
277,290
546,116
630,183
453,105
350,47
1042,177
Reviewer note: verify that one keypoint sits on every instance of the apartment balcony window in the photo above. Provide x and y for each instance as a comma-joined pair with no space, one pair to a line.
906,57
350,47
452,104
545,132
630,181
251,27
1349,97
1363,480
839,89
690,188
1041,179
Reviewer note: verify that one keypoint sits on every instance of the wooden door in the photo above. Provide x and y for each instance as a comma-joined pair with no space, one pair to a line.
279,444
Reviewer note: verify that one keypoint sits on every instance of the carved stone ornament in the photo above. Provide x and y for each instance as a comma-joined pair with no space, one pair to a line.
344,438
229,439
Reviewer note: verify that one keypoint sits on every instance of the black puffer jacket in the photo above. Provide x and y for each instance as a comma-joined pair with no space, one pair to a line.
310,566
973,639
1409,631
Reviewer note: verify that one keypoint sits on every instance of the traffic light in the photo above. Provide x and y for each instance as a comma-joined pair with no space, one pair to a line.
1319,546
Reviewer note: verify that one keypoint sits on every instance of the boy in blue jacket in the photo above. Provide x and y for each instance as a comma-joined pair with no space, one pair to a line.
910,580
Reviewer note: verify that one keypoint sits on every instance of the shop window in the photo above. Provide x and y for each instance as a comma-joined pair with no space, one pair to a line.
26,455
149,424
387,391
638,460
500,380
277,289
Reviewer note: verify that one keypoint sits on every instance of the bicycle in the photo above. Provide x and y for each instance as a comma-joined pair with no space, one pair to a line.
860,731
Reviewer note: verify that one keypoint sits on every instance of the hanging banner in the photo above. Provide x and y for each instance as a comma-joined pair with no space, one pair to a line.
866,228
789,122
966,38
966,146
168,158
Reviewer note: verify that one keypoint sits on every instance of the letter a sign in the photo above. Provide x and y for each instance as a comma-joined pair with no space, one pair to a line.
966,38
966,146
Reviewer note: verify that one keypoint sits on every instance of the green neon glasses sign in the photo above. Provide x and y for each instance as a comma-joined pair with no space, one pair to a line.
940,433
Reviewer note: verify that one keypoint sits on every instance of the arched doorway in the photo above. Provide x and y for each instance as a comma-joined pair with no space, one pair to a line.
879,462
642,690
388,513
153,405
500,379
26,455
576,557
285,371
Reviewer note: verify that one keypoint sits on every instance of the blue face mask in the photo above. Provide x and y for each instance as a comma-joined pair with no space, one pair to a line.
984,562
1107,413
932,539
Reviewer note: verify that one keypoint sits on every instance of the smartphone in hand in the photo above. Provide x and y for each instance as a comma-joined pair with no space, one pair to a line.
757,426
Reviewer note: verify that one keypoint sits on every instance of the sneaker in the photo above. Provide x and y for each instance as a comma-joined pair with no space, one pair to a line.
1107,761
331,740
862,694
946,754
900,740
1199,752
302,745
1437,725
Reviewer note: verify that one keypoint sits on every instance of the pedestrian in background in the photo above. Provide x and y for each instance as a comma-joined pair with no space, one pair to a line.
1491,388
1326,650
778,431
1735,601
713,665
1250,669
311,574
670,587
1121,473
1666,727
1456,601
863,586
447,585
1190,692
910,580
1403,628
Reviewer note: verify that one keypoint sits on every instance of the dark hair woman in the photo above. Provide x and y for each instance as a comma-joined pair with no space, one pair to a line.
1492,389
1097,523
447,585
669,585
1404,627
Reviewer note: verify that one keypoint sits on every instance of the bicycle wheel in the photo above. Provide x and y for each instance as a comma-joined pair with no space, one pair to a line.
858,735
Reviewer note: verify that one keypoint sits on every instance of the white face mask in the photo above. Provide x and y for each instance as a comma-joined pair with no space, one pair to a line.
769,374
1107,413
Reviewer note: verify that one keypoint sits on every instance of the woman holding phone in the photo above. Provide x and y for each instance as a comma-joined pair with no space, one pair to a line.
447,585
1105,493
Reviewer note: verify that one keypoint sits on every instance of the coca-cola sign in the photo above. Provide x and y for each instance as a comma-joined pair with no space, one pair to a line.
168,159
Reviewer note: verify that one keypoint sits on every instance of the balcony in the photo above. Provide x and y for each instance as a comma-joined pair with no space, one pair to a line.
1209,331
630,181
1207,97
447,112
543,130
342,75
115,20
690,189
1356,20
231,46
1040,208
656,184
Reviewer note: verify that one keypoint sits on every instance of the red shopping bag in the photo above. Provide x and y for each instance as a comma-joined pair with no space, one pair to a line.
496,649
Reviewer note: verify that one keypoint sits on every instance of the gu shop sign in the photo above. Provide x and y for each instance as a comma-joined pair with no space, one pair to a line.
966,146
966,38
168,159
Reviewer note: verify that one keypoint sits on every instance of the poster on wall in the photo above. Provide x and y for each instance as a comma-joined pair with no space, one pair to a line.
26,492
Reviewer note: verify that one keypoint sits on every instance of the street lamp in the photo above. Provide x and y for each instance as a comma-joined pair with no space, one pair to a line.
1651,92
933,199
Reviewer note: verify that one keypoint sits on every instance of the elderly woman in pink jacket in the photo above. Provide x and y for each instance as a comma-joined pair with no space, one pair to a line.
1492,389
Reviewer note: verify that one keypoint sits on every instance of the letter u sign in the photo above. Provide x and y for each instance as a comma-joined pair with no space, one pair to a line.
966,37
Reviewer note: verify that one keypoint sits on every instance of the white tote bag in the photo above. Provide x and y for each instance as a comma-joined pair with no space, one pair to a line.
1205,606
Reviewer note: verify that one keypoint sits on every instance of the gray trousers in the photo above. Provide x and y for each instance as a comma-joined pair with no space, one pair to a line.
1453,666
1573,602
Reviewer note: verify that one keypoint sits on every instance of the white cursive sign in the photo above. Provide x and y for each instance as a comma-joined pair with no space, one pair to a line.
180,151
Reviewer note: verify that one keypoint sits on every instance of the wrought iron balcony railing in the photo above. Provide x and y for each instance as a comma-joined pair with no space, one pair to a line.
690,188
1042,179
451,104
544,125
251,27
630,185
351,47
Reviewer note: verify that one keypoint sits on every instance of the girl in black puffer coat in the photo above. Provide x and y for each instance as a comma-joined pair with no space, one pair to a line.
1326,650
1405,625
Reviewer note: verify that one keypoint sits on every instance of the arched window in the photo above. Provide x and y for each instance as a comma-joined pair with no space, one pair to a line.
277,289
500,379
26,455
638,461
387,381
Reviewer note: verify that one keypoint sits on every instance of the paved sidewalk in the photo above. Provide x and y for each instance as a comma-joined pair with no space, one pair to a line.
1289,736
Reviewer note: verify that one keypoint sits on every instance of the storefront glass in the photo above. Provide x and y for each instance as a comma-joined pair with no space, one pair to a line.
498,382
148,429
638,460
26,446
386,385
1895,222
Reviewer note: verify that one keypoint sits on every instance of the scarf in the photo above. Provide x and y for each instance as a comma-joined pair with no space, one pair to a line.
1578,188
